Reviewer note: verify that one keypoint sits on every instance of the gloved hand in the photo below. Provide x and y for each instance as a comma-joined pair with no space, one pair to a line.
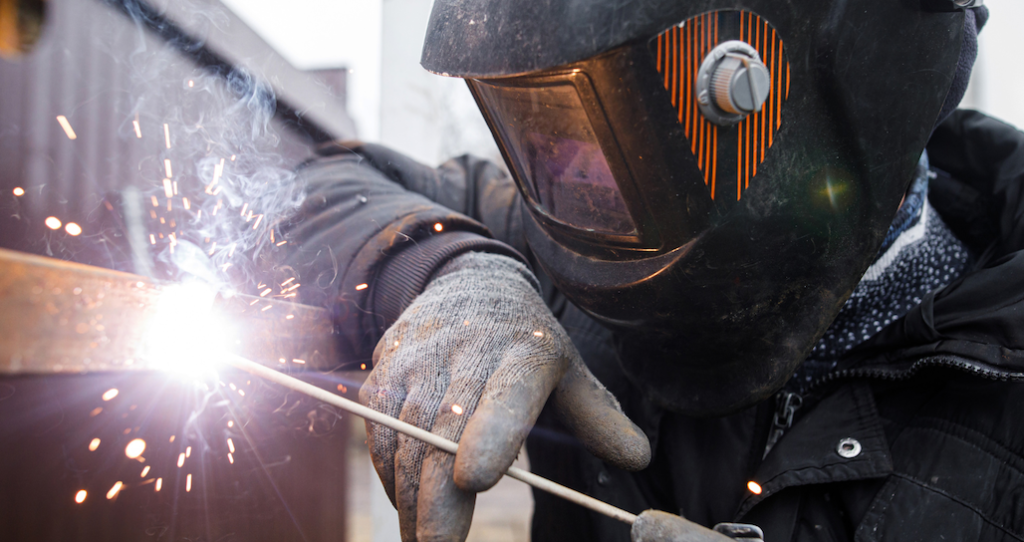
476,356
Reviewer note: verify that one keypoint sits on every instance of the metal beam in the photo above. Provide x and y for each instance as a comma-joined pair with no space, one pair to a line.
64,317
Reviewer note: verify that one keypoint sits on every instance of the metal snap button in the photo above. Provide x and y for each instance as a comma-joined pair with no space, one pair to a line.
848,448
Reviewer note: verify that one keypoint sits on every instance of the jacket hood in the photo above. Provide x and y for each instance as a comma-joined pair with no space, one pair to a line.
979,317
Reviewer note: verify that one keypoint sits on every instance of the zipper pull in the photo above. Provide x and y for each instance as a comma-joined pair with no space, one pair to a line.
786,405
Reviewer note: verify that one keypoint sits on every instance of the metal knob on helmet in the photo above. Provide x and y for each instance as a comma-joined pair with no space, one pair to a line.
732,83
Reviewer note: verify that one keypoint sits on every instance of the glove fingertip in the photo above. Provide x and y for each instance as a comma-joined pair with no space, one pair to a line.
488,447
593,415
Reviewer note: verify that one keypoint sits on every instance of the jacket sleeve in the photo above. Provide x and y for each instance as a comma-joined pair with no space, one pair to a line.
468,185
366,246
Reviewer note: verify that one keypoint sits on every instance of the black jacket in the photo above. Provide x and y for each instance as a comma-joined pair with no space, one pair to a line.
929,413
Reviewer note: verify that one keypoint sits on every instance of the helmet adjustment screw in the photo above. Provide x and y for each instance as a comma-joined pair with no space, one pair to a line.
732,83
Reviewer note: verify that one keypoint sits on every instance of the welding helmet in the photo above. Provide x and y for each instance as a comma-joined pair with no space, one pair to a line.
710,178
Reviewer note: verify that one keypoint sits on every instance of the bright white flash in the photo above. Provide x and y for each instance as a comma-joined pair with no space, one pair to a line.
185,335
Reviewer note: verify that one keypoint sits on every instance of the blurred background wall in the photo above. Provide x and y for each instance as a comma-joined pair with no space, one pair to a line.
996,87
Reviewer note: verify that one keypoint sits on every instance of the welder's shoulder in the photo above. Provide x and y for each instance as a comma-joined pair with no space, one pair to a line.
958,461
344,173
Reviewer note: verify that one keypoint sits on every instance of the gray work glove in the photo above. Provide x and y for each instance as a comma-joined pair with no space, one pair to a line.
476,356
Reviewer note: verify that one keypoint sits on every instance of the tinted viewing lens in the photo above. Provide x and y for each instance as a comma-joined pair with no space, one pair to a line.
547,134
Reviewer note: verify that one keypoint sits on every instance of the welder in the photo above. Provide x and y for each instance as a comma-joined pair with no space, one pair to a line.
750,264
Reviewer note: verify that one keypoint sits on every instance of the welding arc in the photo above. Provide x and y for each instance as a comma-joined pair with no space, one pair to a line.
442,443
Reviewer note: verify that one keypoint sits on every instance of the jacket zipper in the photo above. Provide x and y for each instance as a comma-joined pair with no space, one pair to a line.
905,374
787,403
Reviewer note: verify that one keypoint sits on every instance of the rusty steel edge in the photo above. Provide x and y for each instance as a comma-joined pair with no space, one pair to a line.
64,317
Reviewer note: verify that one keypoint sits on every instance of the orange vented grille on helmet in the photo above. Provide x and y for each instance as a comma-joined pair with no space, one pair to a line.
680,52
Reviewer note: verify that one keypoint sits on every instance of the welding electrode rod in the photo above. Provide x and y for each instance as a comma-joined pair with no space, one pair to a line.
425,436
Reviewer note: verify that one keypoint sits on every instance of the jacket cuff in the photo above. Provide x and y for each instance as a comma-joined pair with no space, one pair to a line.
405,275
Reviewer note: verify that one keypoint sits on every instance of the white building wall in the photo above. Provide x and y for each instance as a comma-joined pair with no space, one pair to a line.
429,117
997,85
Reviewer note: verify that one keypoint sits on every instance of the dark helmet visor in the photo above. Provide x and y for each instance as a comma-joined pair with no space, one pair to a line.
549,139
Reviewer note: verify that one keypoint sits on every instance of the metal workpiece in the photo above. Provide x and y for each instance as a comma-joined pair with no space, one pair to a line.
64,317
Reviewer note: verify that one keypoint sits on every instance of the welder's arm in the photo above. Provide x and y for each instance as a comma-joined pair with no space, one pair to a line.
472,186
474,359
365,246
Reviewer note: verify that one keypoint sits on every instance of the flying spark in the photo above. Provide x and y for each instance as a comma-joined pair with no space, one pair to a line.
167,136
145,471
135,449
167,167
188,451
73,229
188,483
114,490
159,484
168,189
362,286
138,129
754,487
66,126
457,410
438,227
231,459
19,191
181,459
109,394
80,496
93,444
52,222
231,446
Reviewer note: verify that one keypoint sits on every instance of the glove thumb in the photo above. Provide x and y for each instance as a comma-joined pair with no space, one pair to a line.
594,416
